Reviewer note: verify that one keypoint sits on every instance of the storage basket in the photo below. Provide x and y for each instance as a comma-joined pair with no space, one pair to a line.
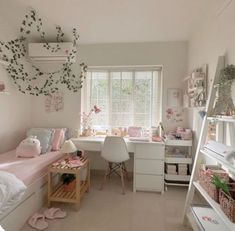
205,178
227,204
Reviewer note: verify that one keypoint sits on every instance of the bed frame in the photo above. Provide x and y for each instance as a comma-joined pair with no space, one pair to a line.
34,198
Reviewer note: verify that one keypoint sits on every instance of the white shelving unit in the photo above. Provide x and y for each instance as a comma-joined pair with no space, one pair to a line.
221,161
178,180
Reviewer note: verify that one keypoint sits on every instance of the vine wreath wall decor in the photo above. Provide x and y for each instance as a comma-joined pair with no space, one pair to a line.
26,79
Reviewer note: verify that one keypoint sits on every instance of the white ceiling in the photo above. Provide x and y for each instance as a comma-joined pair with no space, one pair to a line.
112,21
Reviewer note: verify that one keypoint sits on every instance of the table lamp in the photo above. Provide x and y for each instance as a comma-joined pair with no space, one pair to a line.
68,147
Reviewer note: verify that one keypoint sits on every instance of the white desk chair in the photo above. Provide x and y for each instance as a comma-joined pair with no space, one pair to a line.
114,151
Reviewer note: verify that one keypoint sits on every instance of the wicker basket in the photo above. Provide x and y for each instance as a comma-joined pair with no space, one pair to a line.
227,204
205,177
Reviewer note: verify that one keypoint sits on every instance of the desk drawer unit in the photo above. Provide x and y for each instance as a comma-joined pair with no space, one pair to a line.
154,167
149,167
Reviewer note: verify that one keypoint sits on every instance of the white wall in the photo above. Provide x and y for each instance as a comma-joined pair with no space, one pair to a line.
15,112
215,37
172,55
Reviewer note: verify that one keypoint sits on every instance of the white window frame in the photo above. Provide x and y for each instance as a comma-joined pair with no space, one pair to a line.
85,92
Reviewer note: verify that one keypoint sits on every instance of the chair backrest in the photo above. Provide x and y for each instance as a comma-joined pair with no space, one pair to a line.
114,149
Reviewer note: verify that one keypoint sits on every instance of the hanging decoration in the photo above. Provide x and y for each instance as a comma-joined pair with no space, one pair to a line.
54,102
26,77
224,104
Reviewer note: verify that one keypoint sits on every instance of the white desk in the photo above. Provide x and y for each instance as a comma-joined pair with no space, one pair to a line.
148,161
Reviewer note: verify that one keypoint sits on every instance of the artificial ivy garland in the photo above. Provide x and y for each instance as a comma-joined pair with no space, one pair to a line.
27,83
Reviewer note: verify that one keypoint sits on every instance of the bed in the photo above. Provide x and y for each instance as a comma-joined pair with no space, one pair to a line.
33,172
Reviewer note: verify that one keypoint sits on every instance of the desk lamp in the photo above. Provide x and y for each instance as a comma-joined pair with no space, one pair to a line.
68,147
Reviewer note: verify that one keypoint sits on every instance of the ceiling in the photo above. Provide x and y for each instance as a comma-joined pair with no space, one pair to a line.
113,21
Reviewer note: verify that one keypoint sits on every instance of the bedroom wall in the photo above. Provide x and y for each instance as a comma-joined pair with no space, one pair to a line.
213,38
172,55
15,109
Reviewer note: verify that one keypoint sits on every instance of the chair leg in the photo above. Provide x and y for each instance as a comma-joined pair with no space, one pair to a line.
122,178
107,171
125,171
110,169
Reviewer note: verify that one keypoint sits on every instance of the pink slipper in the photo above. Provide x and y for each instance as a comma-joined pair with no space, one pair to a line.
54,213
38,222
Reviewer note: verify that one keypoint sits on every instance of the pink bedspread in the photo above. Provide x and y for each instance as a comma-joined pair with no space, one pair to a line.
27,169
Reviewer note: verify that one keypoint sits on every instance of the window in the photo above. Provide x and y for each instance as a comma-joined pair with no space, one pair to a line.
126,96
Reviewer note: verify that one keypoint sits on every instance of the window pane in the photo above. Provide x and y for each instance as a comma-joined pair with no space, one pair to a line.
99,97
126,98
121,113
142,99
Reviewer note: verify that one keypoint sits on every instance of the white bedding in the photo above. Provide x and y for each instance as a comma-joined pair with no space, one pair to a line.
11,190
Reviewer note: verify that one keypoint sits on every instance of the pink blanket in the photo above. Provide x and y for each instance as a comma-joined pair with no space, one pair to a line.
27,169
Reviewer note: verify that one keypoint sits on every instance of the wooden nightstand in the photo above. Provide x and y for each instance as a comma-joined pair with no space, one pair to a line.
56,191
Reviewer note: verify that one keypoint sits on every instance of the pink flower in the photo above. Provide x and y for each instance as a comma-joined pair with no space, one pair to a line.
96,109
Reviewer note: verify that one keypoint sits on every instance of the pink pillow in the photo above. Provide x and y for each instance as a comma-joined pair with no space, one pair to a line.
30,147
58,139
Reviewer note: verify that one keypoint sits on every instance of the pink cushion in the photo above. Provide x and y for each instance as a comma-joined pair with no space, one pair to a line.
58,139
30,147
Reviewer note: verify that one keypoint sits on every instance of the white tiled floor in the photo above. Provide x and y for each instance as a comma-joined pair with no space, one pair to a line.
109,210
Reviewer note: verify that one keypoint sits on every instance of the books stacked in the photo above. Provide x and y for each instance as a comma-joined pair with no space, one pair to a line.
182,169
171,169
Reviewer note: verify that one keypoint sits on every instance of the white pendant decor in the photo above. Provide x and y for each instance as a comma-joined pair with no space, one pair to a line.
26,75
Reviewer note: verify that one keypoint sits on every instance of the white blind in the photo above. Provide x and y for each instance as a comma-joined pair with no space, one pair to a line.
127,96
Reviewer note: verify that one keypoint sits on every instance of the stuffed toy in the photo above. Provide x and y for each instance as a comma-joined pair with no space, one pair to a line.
29,147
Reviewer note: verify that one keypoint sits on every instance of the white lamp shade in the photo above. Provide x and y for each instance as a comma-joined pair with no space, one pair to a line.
68,147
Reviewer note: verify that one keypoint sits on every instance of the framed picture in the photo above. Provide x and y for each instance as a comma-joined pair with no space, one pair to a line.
174,97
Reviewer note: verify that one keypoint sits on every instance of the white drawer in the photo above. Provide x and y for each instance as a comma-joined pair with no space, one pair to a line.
149,166
148,182
149,151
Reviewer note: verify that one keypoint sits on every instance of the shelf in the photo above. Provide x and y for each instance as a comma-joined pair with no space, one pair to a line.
178,160
187,143
176,184
185,178
219,159
222,119
60,195
215,206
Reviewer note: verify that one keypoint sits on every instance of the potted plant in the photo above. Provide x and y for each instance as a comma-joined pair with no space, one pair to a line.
220,184
226,197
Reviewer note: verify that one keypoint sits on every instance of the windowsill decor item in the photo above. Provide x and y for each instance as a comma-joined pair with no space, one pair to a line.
86,121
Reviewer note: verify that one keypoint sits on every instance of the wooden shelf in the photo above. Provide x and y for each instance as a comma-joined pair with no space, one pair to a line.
219,159
186,143
178,160
60,195
215,206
